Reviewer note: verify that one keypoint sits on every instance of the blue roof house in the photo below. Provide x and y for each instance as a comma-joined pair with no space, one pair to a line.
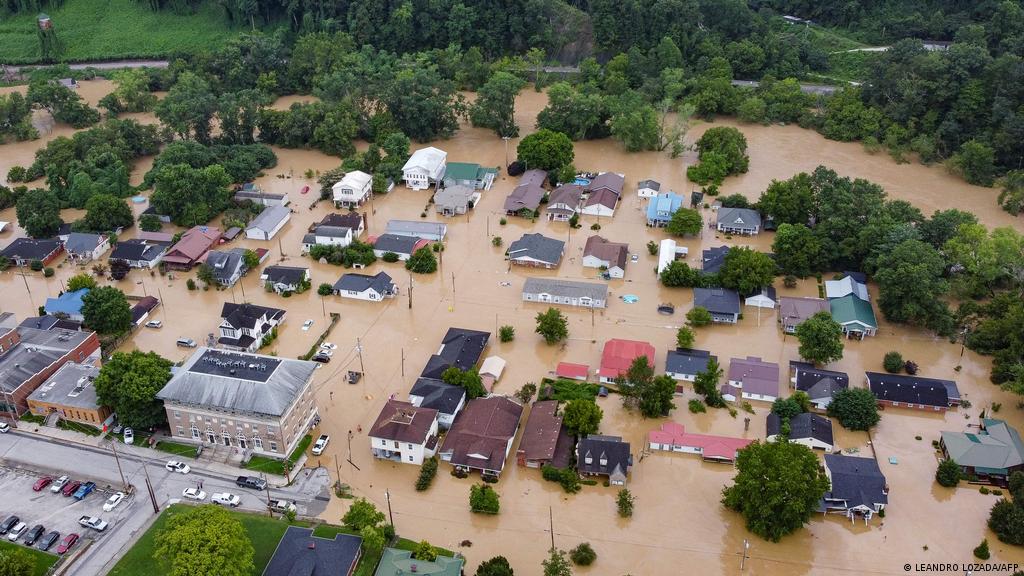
68,305
661,208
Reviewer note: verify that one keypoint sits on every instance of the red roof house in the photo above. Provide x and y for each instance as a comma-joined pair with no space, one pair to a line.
673,437
192,247
572,371
619,354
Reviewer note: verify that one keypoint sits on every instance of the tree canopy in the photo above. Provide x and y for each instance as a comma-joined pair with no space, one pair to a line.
582,416
105,310
545,150
746,270
821,339
856,408
128,383
552,325
204,540
494,107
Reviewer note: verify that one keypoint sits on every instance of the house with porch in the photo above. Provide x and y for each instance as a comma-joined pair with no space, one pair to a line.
809,429
609,456
404,433
743,221
352,190
455,200
854,315
482,434
536,250
524,200
600,203
354,220
606,255
722,303
243,326
992,453
447,399
661,208
673,437
564,202
138,253
365,287
606,181
858,487
425,168
685,363
751,378
228,265
85,247
546,440
470,175
793,311
191,249
819,384
283,279
618,356
24,251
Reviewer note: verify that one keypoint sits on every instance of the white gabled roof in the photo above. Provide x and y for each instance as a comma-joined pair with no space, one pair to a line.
356,180
428,158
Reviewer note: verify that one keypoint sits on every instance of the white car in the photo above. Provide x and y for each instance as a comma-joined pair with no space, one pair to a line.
154,324
321,443
17,531
225,499
634,258
129,436
325,352
175,466
4,427
59,483
328,346
113,501
194,494
306,325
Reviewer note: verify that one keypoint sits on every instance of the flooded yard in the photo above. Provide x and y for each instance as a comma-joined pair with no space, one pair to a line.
678,527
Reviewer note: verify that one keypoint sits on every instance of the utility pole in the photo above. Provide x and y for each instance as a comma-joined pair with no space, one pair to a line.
551,525
242,286
506,139
403,362
337,469
743,560
163,305
323,307
359,350
350,451
280,248
391,517
270,511
410,290
29,290
453,283
149,488
113,446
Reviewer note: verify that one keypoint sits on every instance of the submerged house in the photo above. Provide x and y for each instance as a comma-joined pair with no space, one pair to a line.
404,433
424,168
819,384
992,453
546,440
858,487
469,175
673,437
567,292
598,455
482,434
751,378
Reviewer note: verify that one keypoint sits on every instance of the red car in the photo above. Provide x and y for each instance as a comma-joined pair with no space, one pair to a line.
70,487
42,483
67,543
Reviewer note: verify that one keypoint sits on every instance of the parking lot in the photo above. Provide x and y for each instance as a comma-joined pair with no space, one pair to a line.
54,510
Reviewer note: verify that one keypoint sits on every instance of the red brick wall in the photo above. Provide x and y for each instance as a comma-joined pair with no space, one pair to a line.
79,354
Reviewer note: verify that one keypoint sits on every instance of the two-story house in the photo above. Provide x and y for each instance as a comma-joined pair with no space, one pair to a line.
404,433
352,190
243,326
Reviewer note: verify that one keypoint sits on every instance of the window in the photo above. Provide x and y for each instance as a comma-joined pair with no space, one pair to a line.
180,431
195,432
396,443
410,458
273,446
177,414
257,443
410,446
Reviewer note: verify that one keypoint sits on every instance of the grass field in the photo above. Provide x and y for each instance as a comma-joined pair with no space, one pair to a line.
42,560
276,466
112,29
176,448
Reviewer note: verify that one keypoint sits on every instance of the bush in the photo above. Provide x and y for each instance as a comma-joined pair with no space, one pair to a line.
696,406
789,281
389,257
190,284
624,501
17,174
483,499
981,552
983,490
48,272
496,241
595,226
698,316
567,477
503,221
36,265
893,362
583,555
507,333
325,289
427,472
652,248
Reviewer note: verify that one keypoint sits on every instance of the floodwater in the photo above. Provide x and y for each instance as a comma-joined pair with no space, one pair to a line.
678,520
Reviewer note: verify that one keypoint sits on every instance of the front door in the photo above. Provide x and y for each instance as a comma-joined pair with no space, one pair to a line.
227,440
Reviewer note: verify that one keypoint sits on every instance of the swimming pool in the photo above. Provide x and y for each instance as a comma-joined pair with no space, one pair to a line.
581,181
138,199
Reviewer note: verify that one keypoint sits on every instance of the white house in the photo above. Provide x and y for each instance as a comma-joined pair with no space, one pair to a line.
243,326
600,203
809,429
648,188
268,223
404,433
765,298
424,168
83,247
669,252
363,287
611,256
353,189
283,279
327,235
136,253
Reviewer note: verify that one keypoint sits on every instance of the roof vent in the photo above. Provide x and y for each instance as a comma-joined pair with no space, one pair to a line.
312,545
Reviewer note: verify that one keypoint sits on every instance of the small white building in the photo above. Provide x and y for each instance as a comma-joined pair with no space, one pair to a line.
811,430
328,236
84,247
669,252
364,287
404,433
424,168
268,223
353,189
648,188
765,298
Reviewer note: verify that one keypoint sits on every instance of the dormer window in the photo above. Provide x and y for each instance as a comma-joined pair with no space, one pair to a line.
588,459
604,460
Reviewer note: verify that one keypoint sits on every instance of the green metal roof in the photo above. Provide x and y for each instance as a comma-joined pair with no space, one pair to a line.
397,562
850,308
466,171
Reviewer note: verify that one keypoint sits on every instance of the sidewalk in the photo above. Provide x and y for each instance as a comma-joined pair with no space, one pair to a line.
103,443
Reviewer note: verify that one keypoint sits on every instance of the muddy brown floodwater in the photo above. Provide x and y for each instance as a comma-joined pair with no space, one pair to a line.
678,527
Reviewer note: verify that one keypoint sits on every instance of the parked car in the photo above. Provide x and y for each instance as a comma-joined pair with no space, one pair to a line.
251,482
634,258
8,523
226,499
194,494
129,436
306,325
328,346
186,343
67,543
175,466
154,324
16,531
42,483
113,501
34,534
322,358
84,490
93,522
70,487
49,540
282,506
4,427
59,483
321,443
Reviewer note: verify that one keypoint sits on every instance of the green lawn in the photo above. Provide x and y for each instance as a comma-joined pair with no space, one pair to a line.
264,532
410,545
276,466
42,560
79,427
111,29
176,448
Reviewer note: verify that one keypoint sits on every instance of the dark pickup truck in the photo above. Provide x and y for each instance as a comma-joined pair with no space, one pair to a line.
251,482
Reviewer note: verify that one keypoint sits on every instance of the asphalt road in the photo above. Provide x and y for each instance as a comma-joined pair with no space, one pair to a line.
33,454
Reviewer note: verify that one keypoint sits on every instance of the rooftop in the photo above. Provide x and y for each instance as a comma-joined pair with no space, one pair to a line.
850,308
480,435
82,242
416,227
743,218
71,385
793,311
858,481
713,258
396,562
997,446
30,248
565,288
542,431
285,274
757,376
399,244
379,282
299,553
712,447
460,347
802,426
717,300
403,422
270,218
69,303
687,361
608,455
913,389
439,395
619,354
615,253
537,247
817,382
37,350
607,181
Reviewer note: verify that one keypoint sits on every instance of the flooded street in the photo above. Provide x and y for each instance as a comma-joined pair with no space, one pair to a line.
678,520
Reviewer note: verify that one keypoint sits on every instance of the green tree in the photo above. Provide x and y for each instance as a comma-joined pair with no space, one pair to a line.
38,213
132,90
188,108
856,408
105,213
786,408
698,316
545,150
976,163
821,339
685,221
746,270
495,105
150,223
893,362
583,554
373,540
582,416
79,281
468,379
557,564
684,337
576,114
655,398
483,499
789,201
943,225
106,310
948,473
981,552
797,250
753,110
425,552
706,384
497,566
422,261
251,259
552,325
204,272
191,196
325,289
910,285
526,392
16,563
63,103
362,513
624,502
635,123
507,333
226,549
129,382
727,142
424,104
777,488
1007,521
1011,195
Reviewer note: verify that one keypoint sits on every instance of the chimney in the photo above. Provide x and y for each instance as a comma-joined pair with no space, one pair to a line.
311,546
413,569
